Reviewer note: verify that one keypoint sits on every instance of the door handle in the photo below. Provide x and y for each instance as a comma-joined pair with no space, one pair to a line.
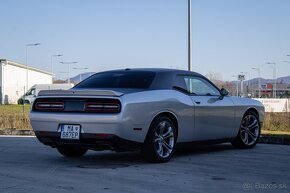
197,102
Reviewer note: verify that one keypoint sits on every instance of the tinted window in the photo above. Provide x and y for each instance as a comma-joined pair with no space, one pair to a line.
118,79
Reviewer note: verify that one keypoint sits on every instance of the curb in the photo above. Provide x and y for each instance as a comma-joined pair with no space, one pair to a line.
265,139
16,132
275,139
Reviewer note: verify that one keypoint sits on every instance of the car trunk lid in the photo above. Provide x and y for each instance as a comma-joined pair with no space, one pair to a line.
79,92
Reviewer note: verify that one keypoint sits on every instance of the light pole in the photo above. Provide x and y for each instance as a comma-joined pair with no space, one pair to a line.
189,36
85,68
259,80
26,46
51,63
274,77
68,69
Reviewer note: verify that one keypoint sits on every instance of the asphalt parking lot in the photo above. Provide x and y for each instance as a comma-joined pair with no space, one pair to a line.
28,166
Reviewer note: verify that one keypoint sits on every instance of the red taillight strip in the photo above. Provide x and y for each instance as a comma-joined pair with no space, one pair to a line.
49,106
102,107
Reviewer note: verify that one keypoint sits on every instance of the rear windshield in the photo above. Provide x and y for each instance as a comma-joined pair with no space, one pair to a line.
119,79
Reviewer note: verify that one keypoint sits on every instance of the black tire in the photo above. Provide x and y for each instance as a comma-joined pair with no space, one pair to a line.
150,151
72,151
249,131
20,101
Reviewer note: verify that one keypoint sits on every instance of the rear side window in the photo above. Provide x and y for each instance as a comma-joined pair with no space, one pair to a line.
119,79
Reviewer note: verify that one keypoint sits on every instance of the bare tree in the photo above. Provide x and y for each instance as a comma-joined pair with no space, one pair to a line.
217,79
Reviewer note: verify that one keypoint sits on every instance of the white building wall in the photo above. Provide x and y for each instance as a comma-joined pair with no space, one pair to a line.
14,81
38,78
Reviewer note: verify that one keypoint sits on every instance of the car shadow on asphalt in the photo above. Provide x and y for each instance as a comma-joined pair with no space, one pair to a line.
202,149
113,160
100,160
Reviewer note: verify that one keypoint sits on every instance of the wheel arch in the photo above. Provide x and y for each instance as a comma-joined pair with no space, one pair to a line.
253,109
172,116
237,141
244,112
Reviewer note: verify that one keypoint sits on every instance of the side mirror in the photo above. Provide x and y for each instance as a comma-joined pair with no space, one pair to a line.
224,92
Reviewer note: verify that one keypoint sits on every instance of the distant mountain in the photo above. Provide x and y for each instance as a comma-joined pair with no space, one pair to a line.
284,80
82,76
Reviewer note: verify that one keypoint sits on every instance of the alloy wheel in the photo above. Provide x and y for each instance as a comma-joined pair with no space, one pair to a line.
249,130
164,139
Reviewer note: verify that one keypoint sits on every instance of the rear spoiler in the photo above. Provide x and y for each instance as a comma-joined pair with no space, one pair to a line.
79,93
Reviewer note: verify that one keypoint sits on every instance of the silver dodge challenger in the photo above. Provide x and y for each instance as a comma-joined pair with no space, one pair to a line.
152,110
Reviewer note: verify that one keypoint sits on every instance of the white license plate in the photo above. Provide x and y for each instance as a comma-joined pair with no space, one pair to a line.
70,131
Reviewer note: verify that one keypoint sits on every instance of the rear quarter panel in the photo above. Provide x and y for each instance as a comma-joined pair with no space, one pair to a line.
139,110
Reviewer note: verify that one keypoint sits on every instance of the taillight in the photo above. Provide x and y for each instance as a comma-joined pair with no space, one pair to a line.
102,107
49,106
77,105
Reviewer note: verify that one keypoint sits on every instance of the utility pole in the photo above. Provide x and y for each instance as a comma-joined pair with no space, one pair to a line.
189,37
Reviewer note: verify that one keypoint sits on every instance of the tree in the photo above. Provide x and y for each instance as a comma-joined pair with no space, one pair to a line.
217,79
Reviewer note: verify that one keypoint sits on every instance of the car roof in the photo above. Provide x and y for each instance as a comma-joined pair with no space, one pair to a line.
164,78
157,70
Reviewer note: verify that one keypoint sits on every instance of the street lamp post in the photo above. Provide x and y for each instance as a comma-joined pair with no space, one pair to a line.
26,50
51,63
68,69
85,68
259,80
189,37
274,77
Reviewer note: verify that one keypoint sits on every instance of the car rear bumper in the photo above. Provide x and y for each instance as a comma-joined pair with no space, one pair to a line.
118,125
89,141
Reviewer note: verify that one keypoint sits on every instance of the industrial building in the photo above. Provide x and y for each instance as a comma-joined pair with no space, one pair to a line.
14,77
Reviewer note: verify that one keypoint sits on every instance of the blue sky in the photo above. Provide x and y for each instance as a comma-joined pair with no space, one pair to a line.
229,36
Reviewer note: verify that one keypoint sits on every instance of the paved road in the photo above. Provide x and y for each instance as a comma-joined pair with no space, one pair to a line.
28,166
